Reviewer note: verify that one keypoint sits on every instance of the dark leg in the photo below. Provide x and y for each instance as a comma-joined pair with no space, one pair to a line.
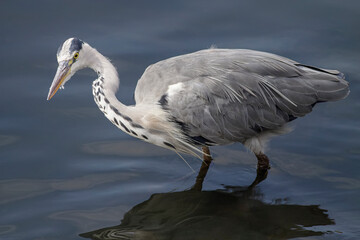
263,161
203,169
262,169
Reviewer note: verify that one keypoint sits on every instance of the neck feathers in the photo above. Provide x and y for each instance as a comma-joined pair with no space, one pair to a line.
103,67
146,121
104,89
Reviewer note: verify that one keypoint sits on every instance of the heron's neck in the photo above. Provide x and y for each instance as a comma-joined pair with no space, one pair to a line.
104,88
107,75
148,122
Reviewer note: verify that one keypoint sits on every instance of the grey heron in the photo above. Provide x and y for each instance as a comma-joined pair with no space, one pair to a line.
206,98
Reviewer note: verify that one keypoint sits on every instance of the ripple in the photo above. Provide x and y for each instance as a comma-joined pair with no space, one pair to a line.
126,148
8,139
344,182
5,229
18,189
87,219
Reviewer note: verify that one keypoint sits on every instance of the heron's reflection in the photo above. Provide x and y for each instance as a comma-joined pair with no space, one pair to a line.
233,213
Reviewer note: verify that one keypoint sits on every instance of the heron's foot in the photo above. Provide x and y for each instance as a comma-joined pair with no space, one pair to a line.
261,175
262,169
198,185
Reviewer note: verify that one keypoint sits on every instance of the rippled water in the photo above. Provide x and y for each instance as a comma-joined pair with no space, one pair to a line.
66,171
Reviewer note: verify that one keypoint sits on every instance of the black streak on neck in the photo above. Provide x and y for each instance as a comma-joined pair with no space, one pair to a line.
116,111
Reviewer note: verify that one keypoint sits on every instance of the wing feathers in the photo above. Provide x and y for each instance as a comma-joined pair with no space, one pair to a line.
233,95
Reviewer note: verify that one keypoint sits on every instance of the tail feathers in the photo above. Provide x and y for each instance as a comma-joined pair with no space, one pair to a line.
332,90
329,85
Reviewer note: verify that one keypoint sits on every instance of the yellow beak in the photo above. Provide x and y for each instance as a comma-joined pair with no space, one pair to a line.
62,72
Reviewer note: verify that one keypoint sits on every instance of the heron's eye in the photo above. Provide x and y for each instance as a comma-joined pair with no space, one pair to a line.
76,55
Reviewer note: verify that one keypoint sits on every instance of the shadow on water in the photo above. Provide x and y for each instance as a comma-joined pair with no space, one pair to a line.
230,213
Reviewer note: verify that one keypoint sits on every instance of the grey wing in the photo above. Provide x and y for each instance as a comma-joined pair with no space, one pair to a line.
222,96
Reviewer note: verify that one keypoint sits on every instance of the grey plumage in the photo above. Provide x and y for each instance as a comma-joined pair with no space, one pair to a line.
210,97
224,96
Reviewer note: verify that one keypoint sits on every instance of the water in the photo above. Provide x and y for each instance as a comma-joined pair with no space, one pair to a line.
65,170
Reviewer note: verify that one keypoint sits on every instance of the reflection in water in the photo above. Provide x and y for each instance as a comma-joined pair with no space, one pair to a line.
229,214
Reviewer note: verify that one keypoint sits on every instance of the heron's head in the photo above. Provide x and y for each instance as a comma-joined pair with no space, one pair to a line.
70,58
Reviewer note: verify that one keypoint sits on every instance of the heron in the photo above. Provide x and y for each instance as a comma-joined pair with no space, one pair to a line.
211,97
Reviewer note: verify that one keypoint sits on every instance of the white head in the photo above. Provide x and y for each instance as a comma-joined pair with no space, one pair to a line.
70,57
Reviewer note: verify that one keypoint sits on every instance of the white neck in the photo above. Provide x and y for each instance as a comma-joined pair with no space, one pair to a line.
104,88
106,71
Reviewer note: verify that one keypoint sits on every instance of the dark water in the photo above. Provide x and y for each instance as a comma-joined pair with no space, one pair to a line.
65,170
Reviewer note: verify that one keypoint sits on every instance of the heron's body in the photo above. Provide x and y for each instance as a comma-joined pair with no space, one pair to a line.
210,97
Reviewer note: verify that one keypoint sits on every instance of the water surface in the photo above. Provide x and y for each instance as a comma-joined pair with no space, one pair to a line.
65,170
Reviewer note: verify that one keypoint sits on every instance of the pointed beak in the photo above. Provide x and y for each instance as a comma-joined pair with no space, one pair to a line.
62,72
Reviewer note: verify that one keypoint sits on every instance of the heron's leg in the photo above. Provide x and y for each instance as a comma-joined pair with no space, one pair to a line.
262,169
203,169
263,161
